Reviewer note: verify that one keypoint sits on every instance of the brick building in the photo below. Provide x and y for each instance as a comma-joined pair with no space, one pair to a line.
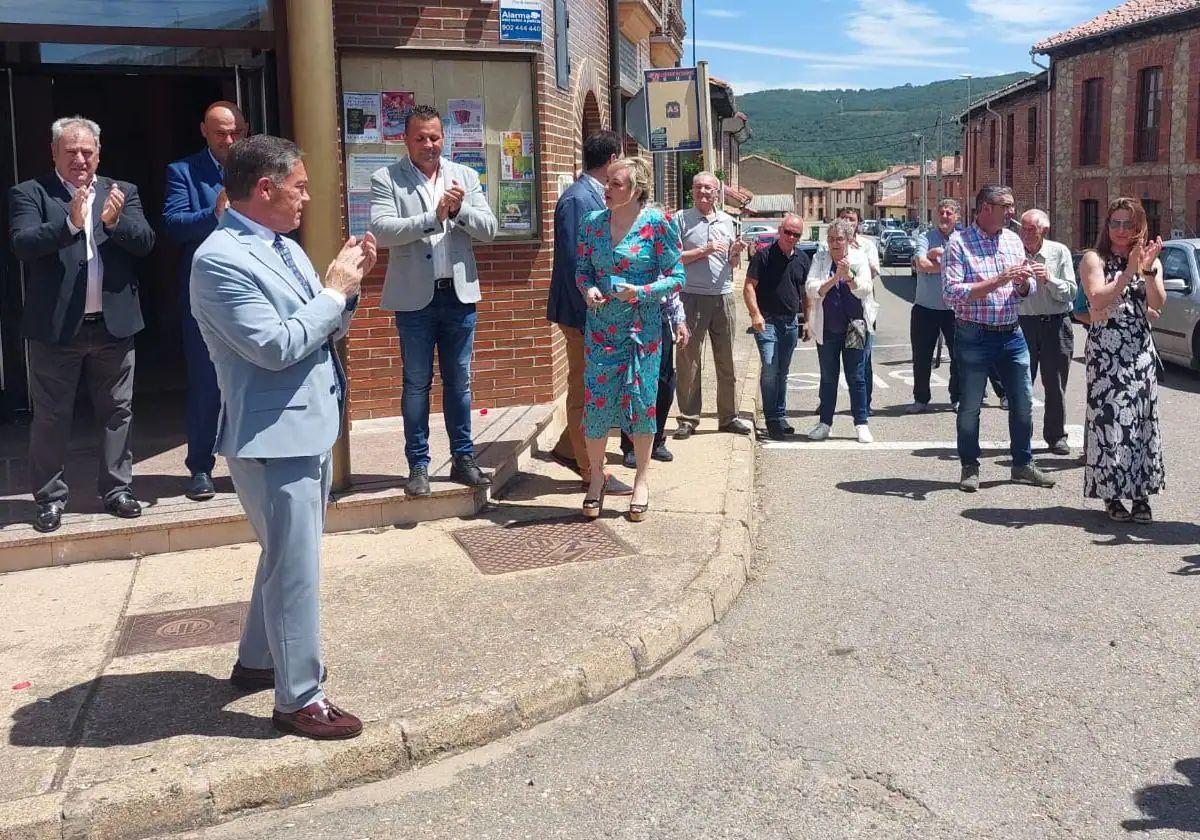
764,176
1005,143
951,176
877,185
810,198
848,192
1127,117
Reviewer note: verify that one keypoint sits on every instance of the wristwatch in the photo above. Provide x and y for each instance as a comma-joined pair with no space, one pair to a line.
1149,272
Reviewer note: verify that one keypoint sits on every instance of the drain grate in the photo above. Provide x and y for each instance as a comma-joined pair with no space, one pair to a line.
198,627
520,547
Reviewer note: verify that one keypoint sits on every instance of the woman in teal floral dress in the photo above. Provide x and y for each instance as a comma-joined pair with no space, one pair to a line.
628,260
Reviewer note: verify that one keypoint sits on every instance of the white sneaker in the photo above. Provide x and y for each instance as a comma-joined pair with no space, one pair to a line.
819,432
864,434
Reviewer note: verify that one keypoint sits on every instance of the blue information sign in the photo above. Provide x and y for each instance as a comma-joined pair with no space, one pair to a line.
521,20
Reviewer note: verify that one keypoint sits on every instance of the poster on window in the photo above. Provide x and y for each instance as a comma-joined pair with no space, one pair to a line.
396,105
360,117
516,155
465,119
673,109
475,159
516,205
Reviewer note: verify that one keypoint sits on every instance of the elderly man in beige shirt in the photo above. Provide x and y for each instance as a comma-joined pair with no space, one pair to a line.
1045,318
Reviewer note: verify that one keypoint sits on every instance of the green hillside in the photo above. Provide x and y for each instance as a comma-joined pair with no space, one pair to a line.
815,133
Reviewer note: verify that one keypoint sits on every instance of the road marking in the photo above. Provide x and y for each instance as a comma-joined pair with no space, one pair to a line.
1074,438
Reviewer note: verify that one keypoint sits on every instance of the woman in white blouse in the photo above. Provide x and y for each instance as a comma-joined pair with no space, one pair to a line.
842,316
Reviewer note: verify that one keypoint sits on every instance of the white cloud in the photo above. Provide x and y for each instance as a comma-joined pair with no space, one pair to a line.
721,13
1030,13
846,61
902,27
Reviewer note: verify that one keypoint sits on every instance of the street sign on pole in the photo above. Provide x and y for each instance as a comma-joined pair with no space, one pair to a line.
674,112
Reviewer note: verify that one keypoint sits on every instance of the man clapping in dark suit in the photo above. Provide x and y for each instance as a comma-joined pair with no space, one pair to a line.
194,202
79,235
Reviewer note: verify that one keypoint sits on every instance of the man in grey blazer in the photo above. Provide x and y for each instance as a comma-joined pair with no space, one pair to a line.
270,322
426,210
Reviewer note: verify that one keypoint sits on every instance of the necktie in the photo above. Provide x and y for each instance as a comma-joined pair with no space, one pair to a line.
285,254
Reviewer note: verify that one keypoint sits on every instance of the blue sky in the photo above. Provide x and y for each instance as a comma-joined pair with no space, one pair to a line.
821,44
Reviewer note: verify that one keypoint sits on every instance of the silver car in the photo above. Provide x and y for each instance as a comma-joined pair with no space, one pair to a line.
1175,333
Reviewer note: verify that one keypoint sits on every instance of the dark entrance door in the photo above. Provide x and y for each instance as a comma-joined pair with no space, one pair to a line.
148,116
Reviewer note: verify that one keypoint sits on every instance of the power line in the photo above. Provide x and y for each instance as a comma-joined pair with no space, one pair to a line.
862,137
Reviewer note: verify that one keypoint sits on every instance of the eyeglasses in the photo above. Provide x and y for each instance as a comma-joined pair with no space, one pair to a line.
1121,224
793,233
1007,205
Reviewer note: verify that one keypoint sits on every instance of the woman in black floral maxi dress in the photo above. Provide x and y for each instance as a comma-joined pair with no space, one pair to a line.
1123,279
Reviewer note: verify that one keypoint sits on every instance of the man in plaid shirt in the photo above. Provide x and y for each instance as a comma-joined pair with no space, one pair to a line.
984,276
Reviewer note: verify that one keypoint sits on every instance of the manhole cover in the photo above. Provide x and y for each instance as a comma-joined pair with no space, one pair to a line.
198,627
536,545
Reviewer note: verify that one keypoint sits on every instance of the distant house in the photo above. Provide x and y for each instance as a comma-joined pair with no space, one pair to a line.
950,175
878,184
892,206
1126,118
848,192
764,176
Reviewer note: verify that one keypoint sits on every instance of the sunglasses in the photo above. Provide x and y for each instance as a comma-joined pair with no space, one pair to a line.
1121,224
793,233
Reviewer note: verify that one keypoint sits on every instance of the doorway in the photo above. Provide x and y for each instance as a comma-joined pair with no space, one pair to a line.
148,117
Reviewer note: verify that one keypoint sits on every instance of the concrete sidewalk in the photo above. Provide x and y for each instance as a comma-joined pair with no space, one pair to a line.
113,729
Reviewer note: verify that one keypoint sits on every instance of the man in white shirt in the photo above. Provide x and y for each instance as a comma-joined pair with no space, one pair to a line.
79,235
711,250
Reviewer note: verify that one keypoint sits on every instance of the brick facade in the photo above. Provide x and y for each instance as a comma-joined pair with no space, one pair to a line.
519,357
989,138
1173,180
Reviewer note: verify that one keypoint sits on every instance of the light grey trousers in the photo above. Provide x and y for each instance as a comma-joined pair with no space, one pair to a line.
285,501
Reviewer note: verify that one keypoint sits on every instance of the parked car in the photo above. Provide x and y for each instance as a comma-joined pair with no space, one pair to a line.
763,239
805,246
890,233
898,250
870,227
1175,333
752,230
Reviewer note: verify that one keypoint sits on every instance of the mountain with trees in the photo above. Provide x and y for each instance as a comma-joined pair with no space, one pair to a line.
831,134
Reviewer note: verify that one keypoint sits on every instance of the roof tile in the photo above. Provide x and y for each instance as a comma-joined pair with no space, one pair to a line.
1127,14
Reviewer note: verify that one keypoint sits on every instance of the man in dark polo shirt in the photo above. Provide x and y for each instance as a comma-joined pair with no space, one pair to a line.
774,294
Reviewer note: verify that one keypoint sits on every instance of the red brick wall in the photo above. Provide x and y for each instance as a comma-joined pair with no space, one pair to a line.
1157,53
1028,180
519,357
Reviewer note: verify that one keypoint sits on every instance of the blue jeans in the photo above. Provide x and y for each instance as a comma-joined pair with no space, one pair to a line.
776,343
835,357
450,327
979,351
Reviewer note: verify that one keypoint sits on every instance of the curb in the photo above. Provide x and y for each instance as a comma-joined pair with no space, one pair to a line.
292,770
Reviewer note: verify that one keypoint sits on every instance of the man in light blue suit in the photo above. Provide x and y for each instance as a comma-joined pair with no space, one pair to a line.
270,322
193,204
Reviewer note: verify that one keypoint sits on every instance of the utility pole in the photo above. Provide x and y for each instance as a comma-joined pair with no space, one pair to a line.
940,154
924,173
966,146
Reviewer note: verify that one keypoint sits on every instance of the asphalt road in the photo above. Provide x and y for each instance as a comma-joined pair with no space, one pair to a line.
909,662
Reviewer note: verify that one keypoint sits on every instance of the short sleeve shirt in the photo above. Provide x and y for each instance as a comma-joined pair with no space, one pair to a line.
929,286
779,281
713,276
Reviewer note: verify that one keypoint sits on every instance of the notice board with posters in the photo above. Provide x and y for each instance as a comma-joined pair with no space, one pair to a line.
673,109
487,108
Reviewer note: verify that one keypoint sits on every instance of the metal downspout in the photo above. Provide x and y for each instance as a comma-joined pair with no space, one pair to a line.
1049,123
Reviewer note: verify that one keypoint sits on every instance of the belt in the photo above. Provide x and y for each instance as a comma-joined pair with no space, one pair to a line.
1000,328
444,283
1053,316
93,317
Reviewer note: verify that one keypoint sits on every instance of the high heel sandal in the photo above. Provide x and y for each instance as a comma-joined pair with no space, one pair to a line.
1141,512
593,507
637,513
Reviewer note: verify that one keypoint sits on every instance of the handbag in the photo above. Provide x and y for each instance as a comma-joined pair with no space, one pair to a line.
856,335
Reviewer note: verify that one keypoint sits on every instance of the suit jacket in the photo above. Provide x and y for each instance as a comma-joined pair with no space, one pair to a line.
565,304
189,207
268,337
402,221
56,259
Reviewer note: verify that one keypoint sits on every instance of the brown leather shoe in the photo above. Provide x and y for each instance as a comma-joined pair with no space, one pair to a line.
321,720
259,679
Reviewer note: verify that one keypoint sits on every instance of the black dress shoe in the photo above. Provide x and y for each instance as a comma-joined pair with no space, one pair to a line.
49,516
418,482
788,428
466,471
201,488
259,679
776,431
629,459
124,505
661,453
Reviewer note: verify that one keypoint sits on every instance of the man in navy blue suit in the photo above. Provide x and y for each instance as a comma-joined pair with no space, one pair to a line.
565,306
195,201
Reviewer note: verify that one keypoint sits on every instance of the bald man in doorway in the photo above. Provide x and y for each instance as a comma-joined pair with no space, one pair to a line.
194,203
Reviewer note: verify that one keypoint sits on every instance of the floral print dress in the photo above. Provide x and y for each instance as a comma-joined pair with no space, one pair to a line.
623,341
1123,443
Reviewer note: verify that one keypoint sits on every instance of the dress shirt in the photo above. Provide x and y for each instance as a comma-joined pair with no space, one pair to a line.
94,300
672,310
1056,296
596,186
217,163
433,189
714,275
268,236
973,256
